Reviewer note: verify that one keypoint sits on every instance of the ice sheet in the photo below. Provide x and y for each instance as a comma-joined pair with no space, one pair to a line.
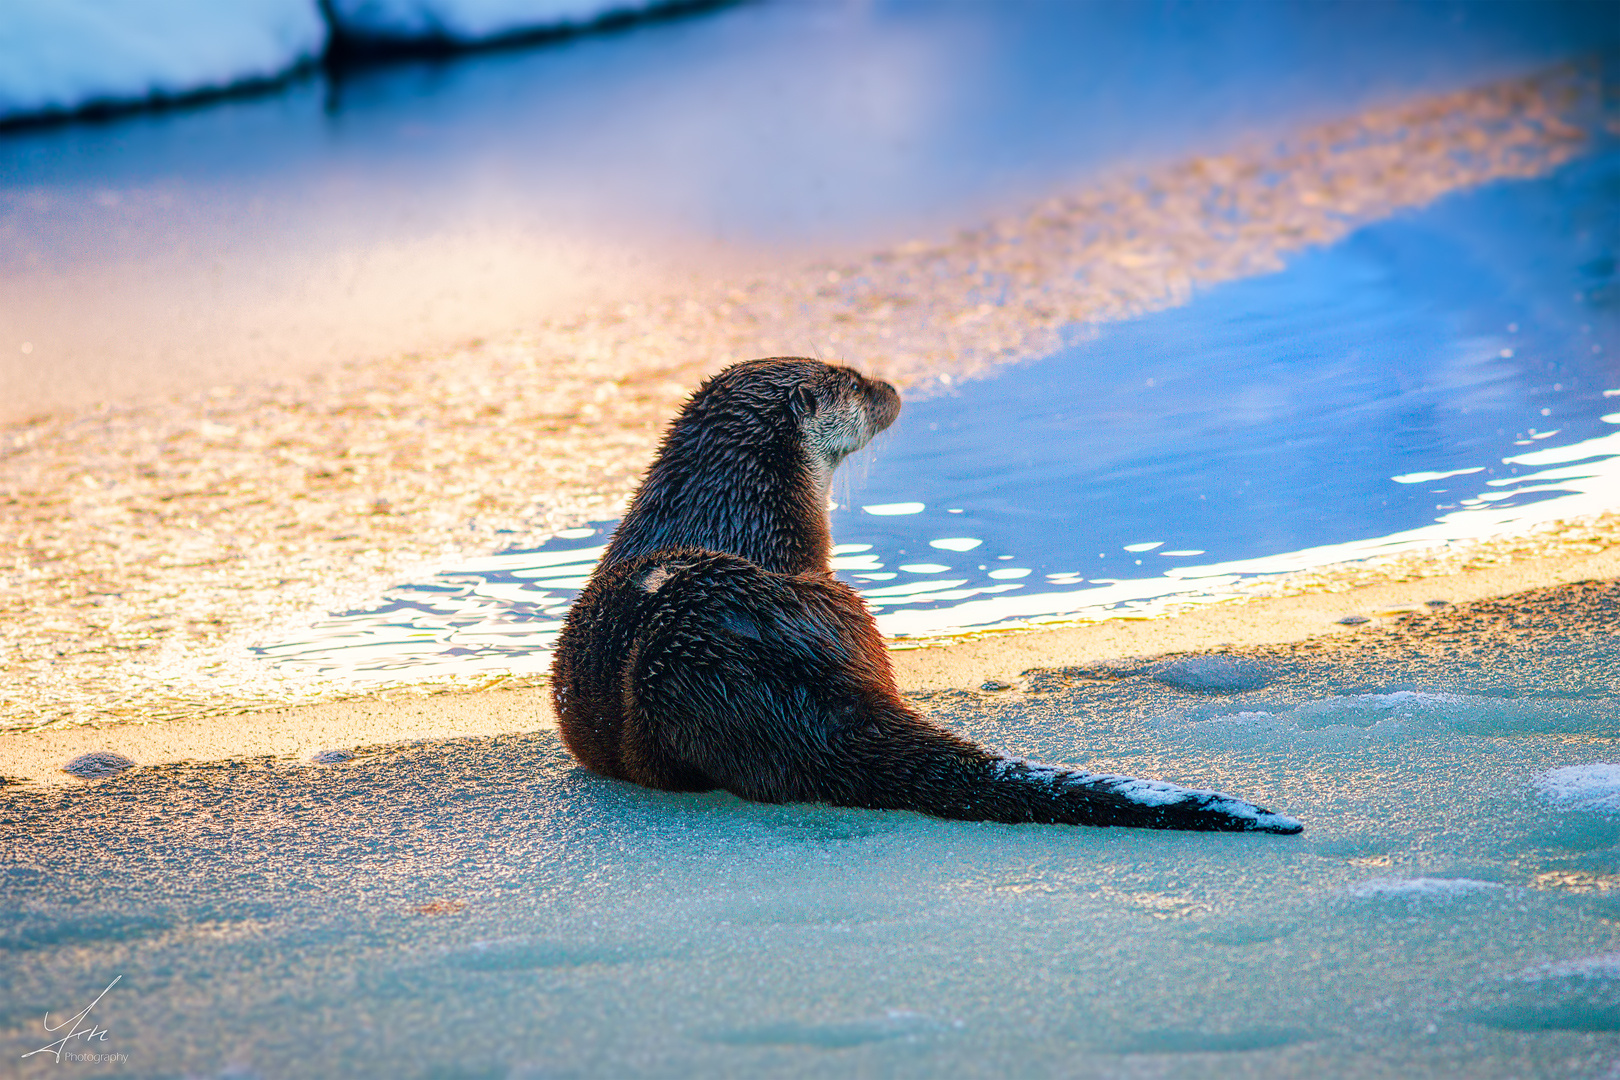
486,908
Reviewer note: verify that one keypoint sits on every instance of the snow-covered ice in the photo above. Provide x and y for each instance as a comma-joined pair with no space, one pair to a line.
60,55
57,56
1578,995
1594,786
1603,966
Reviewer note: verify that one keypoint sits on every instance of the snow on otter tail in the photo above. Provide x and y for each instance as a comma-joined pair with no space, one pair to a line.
1057,795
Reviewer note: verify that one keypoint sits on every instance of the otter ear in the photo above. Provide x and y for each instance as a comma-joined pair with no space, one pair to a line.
802,400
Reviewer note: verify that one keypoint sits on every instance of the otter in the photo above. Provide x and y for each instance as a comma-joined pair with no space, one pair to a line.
713,648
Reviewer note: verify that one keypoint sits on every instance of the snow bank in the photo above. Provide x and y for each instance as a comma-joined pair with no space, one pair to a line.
62,55
466,21
58,56
700,935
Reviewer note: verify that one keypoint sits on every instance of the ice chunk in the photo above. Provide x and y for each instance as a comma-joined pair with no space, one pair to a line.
1593,786
96,764
1212,674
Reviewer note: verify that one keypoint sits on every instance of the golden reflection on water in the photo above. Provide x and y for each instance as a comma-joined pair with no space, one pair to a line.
148,546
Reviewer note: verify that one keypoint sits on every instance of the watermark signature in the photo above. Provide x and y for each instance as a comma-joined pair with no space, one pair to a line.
82,1028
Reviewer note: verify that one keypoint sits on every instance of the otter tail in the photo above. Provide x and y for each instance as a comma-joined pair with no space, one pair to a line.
773,747
1048,793
778,689
953,778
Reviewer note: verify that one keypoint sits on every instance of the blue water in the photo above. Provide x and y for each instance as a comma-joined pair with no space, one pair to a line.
1270,414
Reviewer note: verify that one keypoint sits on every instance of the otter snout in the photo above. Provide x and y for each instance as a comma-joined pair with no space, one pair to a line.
882,404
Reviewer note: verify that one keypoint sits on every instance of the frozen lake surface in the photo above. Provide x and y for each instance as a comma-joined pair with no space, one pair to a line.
483,908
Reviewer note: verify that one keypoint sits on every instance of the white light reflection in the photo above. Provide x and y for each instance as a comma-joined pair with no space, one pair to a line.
1591,488
1426,477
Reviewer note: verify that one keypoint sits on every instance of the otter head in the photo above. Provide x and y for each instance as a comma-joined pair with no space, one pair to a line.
828,410
839,410
745,468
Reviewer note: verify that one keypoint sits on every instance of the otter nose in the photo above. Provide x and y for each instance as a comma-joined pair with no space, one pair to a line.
884,403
